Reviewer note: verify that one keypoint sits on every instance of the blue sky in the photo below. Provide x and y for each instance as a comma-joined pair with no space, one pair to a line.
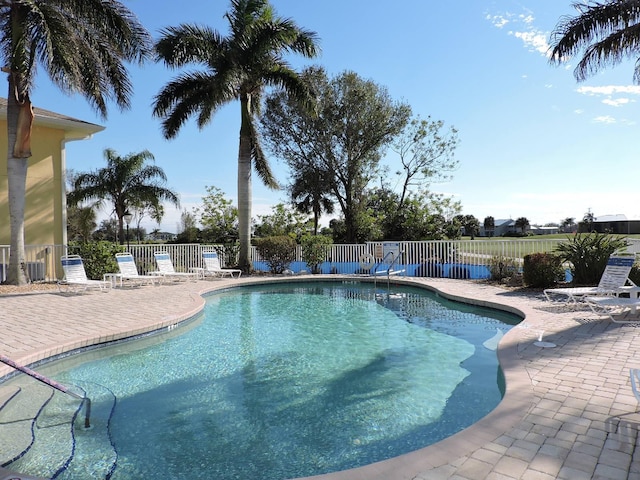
533,142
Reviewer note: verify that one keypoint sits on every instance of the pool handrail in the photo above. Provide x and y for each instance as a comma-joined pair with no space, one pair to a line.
51,383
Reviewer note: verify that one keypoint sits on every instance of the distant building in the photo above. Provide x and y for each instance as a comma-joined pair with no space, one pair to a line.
618,224
160,236
501,227
538,230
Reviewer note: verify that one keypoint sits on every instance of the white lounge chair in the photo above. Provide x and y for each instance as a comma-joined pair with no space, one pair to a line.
75,277
614,281
212,266
166,270
129,271
618,309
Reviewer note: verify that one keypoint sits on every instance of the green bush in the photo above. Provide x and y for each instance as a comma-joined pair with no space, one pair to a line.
588,254
98,257
314,250
277,251
634,274
542,270
502,267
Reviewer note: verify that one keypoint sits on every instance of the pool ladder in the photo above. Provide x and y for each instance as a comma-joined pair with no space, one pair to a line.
394,261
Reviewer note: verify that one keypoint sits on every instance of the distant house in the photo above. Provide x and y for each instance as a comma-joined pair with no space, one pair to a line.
538,230
618,224
45,205
502,227
161,236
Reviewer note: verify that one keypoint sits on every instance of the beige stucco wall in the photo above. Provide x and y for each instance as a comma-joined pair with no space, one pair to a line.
44,219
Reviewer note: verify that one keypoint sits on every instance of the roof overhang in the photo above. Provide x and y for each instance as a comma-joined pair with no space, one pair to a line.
73,128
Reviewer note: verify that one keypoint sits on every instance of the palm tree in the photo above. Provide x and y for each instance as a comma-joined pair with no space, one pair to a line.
310,193
81,222
237,67
489,226
126,182
568,224
606,33
522,224
81,45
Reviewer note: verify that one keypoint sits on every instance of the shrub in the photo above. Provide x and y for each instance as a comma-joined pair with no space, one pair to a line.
277,251
314,250
634,274
588,254
502,267
98,257
542,270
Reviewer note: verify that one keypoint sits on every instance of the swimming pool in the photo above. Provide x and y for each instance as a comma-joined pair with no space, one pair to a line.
290,380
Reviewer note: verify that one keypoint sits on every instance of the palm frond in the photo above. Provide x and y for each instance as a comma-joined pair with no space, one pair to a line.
604,33
185,44
187,95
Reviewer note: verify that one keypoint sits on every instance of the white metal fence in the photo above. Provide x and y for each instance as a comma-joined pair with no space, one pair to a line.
457,259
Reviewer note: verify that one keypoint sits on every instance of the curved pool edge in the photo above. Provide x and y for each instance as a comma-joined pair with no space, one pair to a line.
514,406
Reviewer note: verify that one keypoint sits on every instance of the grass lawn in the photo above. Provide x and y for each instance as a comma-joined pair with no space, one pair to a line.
517,247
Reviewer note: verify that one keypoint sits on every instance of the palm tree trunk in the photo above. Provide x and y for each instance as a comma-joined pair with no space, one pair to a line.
244,189
17,181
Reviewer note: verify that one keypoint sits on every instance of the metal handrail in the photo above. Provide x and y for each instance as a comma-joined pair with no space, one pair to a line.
393,262
51,383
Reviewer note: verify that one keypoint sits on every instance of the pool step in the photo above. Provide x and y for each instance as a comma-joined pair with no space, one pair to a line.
52,445
95,456
42,433
19,408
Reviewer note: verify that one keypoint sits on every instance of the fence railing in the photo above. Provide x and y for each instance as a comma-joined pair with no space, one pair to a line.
43,261
456,258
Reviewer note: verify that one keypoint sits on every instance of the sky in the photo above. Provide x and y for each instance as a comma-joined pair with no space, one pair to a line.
534,142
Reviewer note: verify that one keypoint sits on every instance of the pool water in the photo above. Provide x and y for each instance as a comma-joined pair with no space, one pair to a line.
291,380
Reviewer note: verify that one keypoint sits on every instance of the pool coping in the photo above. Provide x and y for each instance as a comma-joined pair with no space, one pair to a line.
519,399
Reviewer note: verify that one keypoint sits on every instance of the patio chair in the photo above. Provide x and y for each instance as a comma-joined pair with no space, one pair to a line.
129,271
212,267
614,282
75,277
618,309
166,270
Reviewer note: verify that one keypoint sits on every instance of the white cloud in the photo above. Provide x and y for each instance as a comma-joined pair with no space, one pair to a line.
616,103
535,40
498,21
609,90
604,119
527,19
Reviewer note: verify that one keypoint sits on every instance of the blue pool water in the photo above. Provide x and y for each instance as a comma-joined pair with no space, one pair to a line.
289,380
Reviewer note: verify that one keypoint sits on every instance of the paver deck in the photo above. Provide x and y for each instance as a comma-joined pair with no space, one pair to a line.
568,412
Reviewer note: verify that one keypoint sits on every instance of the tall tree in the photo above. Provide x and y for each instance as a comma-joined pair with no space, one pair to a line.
126,182
489,226
218,217
355,120
605,33
522,223
310,194
81,45
237,67
282,221
81,222
426,152
470,224
567,224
